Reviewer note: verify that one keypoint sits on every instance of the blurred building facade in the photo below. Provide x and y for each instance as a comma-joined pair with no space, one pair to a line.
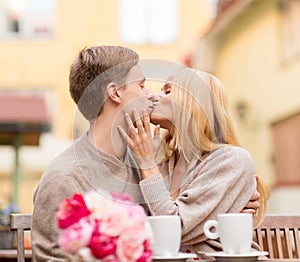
39,40
253,46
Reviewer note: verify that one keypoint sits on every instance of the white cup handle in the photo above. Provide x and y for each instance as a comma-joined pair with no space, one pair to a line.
207,229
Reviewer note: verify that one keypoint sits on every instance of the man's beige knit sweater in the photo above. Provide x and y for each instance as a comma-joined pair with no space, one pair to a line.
79,169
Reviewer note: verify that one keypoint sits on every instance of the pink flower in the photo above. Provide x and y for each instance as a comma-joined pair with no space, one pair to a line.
115,220
129,252
71,210
130,243
110,258
137,214
134,234
102,245
147,254
76,236
108,229
121,197
97,203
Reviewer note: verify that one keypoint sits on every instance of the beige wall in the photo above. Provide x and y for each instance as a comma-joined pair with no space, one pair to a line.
249,62
45,64
257,75
250,77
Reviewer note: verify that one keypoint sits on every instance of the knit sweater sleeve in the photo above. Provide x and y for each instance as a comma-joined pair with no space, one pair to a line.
47,199
222,183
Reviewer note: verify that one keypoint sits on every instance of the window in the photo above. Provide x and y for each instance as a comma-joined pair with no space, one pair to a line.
148,21
290,28
31,19
286,135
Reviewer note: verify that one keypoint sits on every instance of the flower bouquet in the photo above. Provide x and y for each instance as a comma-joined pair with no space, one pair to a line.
96,228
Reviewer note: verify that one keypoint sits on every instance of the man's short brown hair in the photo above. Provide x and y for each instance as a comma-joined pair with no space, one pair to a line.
93,70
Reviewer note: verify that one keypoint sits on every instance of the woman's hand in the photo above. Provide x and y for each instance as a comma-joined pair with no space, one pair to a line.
254,203
141,142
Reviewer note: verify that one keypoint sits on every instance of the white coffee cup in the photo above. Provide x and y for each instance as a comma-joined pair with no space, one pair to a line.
235,231
166,235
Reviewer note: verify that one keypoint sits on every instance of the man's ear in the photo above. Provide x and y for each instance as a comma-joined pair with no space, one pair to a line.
112,92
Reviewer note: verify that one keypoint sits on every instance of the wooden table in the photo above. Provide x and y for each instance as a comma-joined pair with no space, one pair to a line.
259,260
9,255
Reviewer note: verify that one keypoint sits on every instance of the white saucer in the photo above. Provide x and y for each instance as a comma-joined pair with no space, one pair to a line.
249,256
178,258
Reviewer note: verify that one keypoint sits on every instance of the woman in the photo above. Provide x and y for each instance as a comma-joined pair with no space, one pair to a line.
203,171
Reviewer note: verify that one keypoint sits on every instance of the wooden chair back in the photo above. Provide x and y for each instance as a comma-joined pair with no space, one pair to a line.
279,235
20,223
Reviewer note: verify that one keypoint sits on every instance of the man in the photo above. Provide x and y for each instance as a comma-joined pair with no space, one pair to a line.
105,82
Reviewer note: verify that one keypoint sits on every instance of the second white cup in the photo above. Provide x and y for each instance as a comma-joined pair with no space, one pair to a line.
235,231
167,235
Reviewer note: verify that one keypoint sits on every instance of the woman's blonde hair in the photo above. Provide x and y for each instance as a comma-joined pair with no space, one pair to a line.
202,118
264,190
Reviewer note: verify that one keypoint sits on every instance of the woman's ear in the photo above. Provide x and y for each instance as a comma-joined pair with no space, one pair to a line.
112,92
